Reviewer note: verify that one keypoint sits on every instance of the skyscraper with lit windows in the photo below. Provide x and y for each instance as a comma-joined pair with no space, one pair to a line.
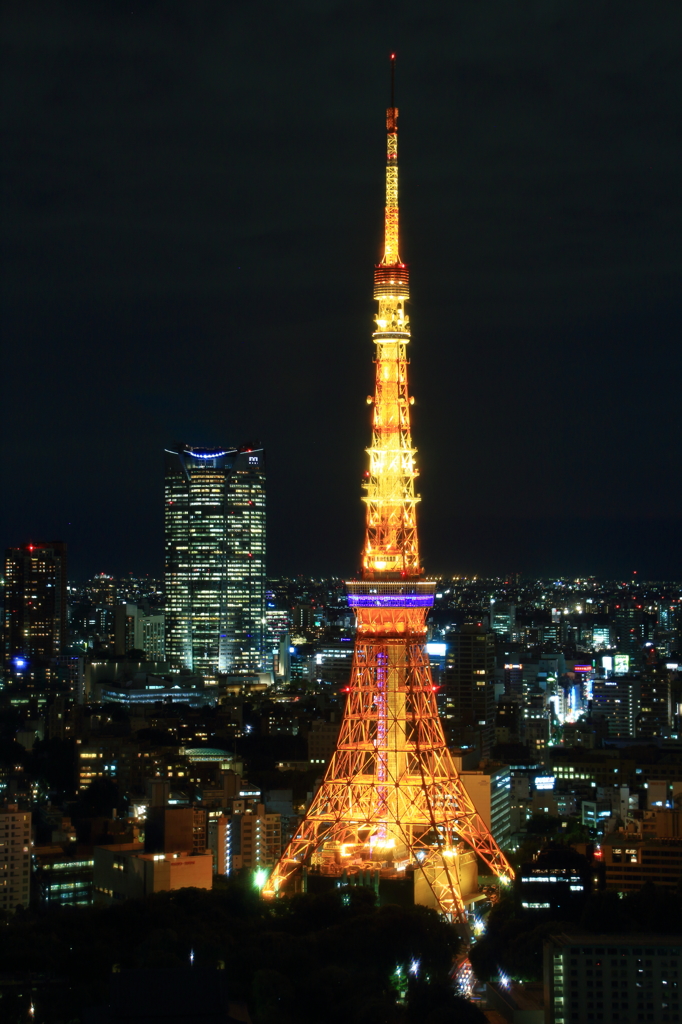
215,559
35,602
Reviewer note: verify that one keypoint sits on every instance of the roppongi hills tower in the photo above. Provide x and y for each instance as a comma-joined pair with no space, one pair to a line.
392,800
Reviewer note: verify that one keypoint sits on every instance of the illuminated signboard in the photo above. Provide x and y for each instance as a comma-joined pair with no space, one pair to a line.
436,650
544,782
582,668
607,663
621,664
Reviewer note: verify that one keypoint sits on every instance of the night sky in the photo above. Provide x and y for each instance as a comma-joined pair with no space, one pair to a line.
192,207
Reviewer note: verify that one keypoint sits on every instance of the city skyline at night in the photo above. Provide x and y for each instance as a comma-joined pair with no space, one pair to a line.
408,748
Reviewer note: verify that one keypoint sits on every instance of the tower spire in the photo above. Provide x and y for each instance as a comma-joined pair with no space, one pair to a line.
391,547
391,241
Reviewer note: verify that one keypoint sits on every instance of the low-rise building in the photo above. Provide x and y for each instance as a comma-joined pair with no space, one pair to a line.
558,879
122,873
61,879
630,861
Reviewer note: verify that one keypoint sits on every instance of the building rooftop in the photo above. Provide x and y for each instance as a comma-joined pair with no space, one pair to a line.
639,941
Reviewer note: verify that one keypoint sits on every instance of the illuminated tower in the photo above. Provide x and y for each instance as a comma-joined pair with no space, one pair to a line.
391,800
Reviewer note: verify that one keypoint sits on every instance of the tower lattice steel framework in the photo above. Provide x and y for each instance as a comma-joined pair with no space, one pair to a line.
392,799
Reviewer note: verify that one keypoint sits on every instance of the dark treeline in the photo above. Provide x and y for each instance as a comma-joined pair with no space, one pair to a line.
331,957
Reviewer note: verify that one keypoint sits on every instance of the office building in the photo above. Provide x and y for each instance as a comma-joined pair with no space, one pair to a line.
61,880
334,661
631,627
656,702
35,602
123,872
15,857
618,701
503,618
215,559
137,629
614,979
322,739
601,638
175,829
559,879
244,836
490,790
467,697
276,647
631,861
508,720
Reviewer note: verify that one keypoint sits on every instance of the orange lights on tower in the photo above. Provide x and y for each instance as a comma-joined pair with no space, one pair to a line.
392,802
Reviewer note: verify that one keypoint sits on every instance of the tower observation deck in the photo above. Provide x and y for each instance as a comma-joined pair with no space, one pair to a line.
392,801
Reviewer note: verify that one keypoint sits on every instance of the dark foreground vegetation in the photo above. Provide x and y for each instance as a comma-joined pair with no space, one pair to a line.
334,957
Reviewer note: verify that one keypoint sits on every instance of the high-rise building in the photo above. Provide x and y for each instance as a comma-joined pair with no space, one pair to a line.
503,618
656,701
102,590
631,627
618,700
215,559
467,696
35,602
15,857
277,627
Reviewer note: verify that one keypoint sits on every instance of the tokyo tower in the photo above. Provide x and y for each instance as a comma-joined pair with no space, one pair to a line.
392,801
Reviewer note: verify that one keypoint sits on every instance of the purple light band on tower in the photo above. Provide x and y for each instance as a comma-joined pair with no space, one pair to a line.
390,600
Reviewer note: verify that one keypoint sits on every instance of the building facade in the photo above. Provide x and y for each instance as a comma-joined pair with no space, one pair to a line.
215,559
122,872
15,858
60,880
244,836
137,629
614,979
467,698
490,790
631,861
618,700
35,602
